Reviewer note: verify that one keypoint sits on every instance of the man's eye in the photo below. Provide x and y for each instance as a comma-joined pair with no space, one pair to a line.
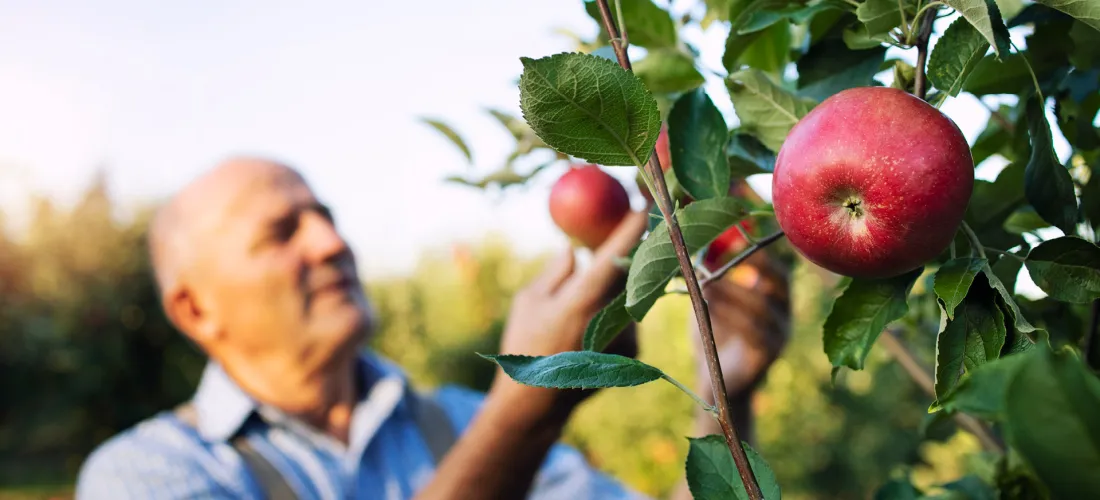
284,229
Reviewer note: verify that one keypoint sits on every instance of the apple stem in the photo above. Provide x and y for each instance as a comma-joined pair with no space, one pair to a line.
702,315
923,34
763,242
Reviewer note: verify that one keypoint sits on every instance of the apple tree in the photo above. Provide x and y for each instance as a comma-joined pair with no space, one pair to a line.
839,100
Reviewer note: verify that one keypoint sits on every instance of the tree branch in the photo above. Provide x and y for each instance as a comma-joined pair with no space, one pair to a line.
924,33
765,241
920,375
702,315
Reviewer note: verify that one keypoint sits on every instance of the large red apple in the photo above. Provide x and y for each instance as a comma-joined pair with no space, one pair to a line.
588,204
872,183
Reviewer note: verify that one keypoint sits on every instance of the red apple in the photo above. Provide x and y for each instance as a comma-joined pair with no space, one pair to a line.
872,183
588,204
664,155
726,246
664,151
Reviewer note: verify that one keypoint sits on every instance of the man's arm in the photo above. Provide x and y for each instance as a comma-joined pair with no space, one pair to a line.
503,448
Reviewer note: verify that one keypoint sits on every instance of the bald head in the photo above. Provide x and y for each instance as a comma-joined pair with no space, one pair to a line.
251,267
193,214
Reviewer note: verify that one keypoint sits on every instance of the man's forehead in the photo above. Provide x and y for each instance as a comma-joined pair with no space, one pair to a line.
246,188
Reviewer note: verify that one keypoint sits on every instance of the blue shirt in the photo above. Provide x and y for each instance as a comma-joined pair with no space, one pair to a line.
385,458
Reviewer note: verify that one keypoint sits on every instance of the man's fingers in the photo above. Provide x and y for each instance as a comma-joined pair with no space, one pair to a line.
590,288
556,272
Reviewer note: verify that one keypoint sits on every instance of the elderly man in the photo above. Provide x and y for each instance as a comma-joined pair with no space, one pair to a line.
252,269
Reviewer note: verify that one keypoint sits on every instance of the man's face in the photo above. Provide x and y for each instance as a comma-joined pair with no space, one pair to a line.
280,279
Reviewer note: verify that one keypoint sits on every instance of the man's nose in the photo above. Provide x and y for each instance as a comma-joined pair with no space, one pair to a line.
323,242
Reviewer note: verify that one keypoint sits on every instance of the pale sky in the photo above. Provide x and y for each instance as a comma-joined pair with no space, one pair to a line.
158,92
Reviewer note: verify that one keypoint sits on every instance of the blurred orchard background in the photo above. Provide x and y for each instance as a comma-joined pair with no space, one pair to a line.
107,108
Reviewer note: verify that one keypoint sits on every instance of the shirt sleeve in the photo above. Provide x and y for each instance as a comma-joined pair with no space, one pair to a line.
564,474
150,462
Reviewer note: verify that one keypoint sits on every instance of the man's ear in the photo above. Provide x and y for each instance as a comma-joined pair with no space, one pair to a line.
188,314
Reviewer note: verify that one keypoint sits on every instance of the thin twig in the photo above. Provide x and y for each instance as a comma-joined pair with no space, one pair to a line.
975,243
923,34
920,375
1006,253
1031,71
765,241
698,399
702,315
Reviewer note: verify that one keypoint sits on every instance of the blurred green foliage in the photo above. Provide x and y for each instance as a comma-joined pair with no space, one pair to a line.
85,351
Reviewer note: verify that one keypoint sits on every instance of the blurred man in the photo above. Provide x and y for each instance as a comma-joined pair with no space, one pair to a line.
252,269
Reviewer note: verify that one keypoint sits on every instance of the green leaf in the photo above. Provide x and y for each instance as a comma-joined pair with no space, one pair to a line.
1086,46
575,370
972,339
450,133
861,313
771,51
647,25
748,156
879,16
712,474
588,107
991,76
655,263
698,136
1007,270
1019,322
971,487
830,67
1090,193
955,55
986,18
607,324
953,280
1075,119
1053,419
897,489
740,13
666,71
766,110
1067,269
982,392
1086,11
1047,183
905,76
1025,220
796,13
857,38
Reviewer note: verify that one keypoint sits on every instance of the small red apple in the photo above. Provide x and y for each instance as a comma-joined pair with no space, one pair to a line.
872,183
664,155
726,246
664,151
588,204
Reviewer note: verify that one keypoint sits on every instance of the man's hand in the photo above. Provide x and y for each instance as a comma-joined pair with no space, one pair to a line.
550,315
499,454
750,316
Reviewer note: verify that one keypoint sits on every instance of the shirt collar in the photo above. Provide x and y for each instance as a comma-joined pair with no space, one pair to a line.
223,408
